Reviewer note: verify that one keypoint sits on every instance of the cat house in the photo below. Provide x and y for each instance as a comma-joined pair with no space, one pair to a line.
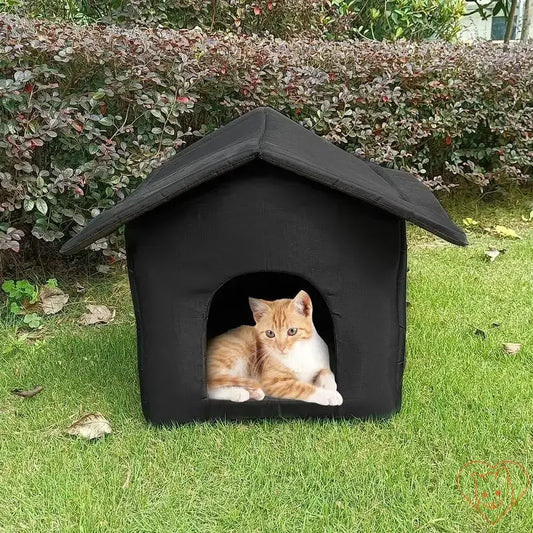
263,207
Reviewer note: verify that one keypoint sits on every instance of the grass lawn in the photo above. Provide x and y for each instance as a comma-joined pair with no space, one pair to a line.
464,399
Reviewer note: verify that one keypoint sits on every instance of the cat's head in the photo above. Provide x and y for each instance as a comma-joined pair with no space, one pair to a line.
282,323
493,489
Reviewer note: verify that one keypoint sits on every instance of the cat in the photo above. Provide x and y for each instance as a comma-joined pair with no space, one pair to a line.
282,356
493,489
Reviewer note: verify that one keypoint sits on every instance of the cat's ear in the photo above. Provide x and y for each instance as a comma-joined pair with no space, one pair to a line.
302,303
259,308
505,473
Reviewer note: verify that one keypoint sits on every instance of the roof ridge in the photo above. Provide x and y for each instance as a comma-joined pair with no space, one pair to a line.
263,131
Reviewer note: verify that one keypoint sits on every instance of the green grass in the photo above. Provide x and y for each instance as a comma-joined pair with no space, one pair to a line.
464,399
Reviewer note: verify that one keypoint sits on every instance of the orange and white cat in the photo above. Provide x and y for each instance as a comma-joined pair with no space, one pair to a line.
281,356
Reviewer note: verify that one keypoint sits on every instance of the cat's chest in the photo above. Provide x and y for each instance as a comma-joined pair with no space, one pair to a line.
307,358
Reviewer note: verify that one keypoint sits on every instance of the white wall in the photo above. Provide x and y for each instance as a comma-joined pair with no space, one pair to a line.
474,27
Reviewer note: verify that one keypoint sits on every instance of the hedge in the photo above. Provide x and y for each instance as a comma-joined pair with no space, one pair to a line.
332,19
87,112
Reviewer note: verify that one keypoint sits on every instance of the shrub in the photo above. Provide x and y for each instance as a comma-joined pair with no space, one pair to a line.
333,19
87,112
408,19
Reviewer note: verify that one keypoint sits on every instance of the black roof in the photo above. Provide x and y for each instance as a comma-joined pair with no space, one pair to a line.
268,135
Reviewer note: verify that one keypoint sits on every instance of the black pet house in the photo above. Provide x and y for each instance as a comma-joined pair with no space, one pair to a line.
263,207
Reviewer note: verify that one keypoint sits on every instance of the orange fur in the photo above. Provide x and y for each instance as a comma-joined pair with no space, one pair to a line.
249,357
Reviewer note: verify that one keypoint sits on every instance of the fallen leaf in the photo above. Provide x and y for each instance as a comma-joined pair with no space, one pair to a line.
469,222
33,336
27,393
528,218
128,479
52,299
98,314
90,426
481,333
506,232
512,348
492,253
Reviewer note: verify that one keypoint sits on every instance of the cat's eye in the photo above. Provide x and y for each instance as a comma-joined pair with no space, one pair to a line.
292,331
270,334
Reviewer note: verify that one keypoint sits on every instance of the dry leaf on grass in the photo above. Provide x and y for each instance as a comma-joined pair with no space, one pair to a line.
32,336
90,426
512,348
127,481
52,299
492,253
480,333
27,393
98,314
504,231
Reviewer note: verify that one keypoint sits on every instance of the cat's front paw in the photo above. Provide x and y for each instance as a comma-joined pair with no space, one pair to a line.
233,394
326,380
256,394
325,397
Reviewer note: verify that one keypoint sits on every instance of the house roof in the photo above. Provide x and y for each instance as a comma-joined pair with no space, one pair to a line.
267,135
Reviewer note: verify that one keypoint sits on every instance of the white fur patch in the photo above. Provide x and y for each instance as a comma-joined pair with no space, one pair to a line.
234,394
240,369
307,358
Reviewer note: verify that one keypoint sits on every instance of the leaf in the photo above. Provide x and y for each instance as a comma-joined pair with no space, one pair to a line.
98,314
8,286
14,308
90,426
480,333
470,222
41,206
27,393
99,94
33,320
157,114
492,253
506,232
52,299
127,481
512,348
79,219
32,336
